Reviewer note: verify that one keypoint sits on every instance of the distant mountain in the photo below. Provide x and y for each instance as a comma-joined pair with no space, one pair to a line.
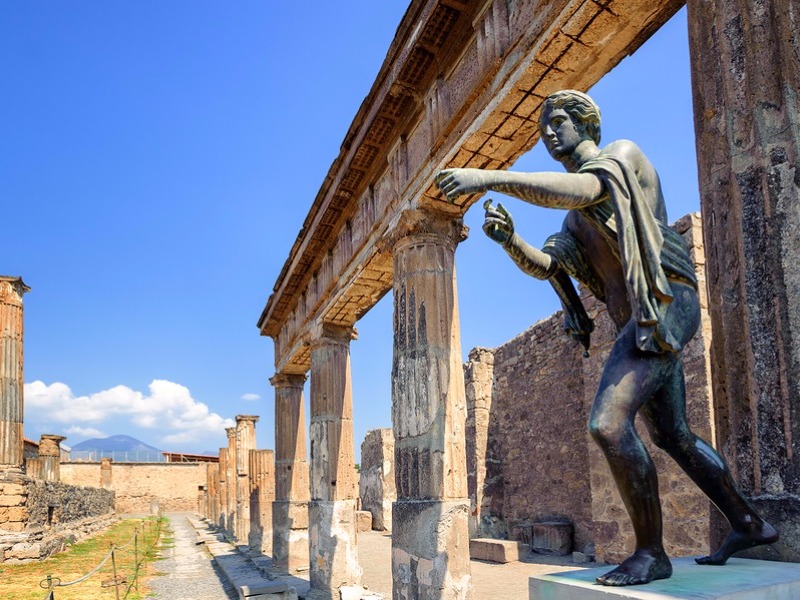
121,448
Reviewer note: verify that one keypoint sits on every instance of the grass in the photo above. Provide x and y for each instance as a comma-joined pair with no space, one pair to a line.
21,582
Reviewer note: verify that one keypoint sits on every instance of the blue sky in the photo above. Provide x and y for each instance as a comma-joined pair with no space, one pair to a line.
158,160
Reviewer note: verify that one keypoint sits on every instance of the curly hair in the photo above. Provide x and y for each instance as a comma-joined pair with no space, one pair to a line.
579,106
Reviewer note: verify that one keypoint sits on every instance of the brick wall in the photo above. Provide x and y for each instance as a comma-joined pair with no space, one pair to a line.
174,485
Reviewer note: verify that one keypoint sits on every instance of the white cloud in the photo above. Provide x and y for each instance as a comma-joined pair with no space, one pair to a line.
167,406
89,432
250,397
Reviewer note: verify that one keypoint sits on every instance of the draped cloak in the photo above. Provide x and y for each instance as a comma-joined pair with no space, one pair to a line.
633,222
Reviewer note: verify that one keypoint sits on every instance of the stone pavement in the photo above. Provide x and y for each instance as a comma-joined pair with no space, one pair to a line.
189,573
202,566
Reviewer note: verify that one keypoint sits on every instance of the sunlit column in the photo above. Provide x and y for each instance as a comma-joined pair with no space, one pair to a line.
11,374
245,441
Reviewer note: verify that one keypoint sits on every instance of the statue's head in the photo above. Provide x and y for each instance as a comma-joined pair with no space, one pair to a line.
580,107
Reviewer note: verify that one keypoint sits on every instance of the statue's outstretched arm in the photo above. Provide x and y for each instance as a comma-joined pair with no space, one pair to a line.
549,189
499,226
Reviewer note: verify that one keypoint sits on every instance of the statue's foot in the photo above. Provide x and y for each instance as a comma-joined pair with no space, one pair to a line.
641,567
742,539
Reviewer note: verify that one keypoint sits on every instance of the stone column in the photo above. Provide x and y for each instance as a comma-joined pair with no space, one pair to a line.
222,514
230,483
105,473
479,372
212,485
332,510
262,495
290,509
430,536
245,442
376,486
11,374
50,454
746,79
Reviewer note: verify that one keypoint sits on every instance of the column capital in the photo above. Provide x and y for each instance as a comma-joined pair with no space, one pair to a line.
231,431
420,225
323,333
246,418
49,444
288,380
12,289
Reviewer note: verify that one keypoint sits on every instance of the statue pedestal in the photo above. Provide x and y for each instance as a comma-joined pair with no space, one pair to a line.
740,579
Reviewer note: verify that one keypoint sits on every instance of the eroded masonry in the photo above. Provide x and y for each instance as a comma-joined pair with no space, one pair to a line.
462,85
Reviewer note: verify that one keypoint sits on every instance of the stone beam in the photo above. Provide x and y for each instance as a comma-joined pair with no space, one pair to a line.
461,86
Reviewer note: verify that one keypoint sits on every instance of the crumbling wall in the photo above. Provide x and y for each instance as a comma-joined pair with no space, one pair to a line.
37,518
174,485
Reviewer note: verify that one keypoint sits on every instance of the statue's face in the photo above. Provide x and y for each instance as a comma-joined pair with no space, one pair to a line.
561,135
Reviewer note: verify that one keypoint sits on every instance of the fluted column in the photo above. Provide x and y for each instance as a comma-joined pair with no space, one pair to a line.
290,509
746,92
222,505
11,374
430,536
50,455
245,442
331,512
262,495
230,483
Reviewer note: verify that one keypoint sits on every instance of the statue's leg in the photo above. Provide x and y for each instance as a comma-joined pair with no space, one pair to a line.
630,378
665,415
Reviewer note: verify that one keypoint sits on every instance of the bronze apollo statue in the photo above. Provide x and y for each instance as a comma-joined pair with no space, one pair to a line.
615,241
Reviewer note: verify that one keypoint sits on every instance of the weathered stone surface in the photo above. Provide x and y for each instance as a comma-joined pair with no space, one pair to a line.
552,538
333,548
290,536
376,480
262,496
245,442
11,372
499,551
363,521
747,122
430,550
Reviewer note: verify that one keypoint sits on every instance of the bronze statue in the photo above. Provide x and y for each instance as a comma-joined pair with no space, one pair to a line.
615,240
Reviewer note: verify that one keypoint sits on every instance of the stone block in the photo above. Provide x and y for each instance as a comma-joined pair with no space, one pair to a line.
259,587
552,538
12,499
740,579
11,489
24,551
499,551
363,520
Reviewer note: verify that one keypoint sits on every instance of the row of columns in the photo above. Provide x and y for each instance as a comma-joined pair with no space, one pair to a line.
430,542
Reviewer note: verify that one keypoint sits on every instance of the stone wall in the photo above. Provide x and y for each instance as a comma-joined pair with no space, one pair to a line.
539,463
174,485
376,482
37,518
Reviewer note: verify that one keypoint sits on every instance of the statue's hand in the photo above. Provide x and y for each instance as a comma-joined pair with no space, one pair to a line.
498,224
457,182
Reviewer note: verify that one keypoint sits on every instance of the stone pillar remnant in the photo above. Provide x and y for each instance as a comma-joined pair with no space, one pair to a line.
212,485
290,509
747,124
222,515
262,495
105,473
11,373
50,455
245,441
230,483
331,512
430,534
376,481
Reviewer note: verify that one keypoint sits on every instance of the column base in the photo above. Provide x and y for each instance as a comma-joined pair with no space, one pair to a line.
430,550
333,548
290,536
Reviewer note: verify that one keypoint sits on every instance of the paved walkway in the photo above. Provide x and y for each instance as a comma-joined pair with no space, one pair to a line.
189,573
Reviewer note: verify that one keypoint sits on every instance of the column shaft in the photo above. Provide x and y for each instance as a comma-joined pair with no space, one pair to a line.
290,509
746,78
50,455
11,373
222,514
332,526
245,442
262,495
430,537
231,483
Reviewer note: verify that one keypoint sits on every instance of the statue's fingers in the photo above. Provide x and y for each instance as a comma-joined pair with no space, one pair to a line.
493,222
487,204
441,175
502,210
